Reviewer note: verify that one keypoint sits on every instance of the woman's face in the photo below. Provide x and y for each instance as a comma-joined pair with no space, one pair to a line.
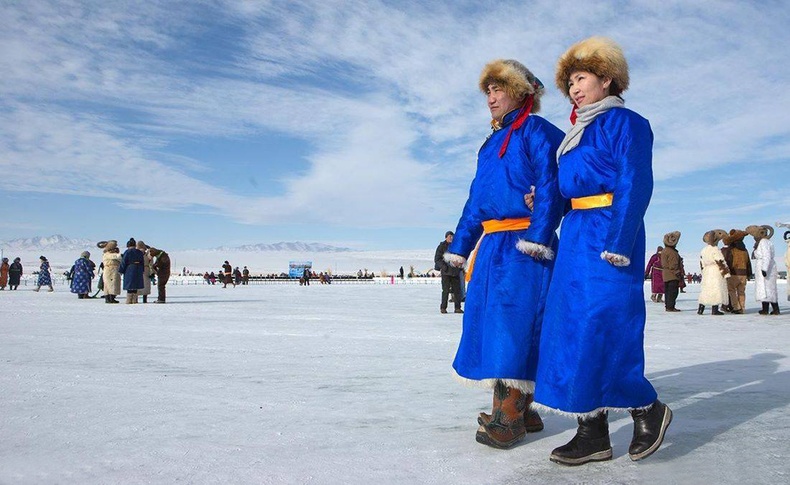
499,102
587,88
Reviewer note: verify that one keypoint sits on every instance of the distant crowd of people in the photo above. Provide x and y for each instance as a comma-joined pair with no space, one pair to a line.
725,271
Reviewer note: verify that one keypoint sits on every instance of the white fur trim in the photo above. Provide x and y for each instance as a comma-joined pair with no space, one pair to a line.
528,247
546,409
527,387
455,259
619,259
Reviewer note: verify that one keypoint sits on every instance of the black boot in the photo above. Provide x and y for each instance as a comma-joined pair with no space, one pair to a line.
145,298
764,311
775,307
107,299
700,309
591,443
649,428
715,310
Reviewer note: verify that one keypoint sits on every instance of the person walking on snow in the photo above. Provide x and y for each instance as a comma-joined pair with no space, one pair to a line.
44,276
509,247
82,276
592,343
715,273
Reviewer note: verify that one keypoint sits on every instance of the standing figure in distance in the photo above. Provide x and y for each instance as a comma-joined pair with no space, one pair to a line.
15,274
44,276
654,272
671,271
4,268
132,270
451,275
715,273
737,258
765,273
82,276
161,267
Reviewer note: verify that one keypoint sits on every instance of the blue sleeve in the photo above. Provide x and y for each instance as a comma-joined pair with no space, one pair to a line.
632,151
122,267
542,144
469,228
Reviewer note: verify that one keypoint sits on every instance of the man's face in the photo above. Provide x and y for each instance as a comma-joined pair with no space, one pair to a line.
449,239
499,102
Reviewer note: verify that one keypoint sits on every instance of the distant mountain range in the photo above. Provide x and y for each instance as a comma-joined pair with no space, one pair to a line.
52,243
296,247
62,243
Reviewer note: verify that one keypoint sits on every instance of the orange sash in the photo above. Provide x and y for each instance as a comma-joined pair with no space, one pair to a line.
593,201
491,226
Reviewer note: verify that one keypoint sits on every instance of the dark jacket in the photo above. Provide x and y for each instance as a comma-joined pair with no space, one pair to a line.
440,264
14,273
132,269
162,263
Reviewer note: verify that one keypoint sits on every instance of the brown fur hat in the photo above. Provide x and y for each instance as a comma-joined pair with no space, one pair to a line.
713,236
514,78
107,246
760,232
671,238
598,55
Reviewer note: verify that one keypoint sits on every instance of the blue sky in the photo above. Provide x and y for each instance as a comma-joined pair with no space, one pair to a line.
203,123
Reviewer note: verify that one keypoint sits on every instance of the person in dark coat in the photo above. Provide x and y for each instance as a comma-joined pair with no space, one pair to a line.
132,270
14,274
227,271
82,275
245,276
162,269
306,276
451,275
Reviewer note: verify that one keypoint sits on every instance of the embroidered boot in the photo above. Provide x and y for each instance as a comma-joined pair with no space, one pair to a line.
591,443
532,421
649,427
506,427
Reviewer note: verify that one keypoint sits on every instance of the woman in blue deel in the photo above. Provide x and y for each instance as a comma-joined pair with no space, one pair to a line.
507,285
592,343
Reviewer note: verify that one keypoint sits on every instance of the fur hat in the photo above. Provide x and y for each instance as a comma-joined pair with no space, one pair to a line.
153,251
107,245
713,236
514,78
5,260
734,236
141,246
760,232
671,238
598,55
787,236
85,254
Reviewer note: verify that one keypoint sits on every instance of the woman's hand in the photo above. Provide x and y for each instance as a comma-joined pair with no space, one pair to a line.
529,199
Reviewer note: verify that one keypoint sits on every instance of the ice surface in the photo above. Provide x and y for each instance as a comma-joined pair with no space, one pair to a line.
347,384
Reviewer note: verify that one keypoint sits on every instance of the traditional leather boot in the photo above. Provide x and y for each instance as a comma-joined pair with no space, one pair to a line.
700,309
715,310
113,299
145,298
649,427
532,421
775,307
591,443
506,427
764,311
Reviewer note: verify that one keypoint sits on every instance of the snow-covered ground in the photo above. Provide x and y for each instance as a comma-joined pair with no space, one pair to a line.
347,384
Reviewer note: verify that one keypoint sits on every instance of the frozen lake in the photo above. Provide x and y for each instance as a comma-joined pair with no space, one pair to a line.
348,384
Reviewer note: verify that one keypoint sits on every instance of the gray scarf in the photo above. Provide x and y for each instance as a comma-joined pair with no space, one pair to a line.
584,116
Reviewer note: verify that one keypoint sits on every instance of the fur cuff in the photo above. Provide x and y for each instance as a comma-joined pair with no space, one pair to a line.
455,259
618,260
546,410
537,251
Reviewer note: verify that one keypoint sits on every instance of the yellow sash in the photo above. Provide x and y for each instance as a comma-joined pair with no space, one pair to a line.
492,226
593,201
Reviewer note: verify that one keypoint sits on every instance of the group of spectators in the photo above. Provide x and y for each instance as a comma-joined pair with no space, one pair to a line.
725,271
10,274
